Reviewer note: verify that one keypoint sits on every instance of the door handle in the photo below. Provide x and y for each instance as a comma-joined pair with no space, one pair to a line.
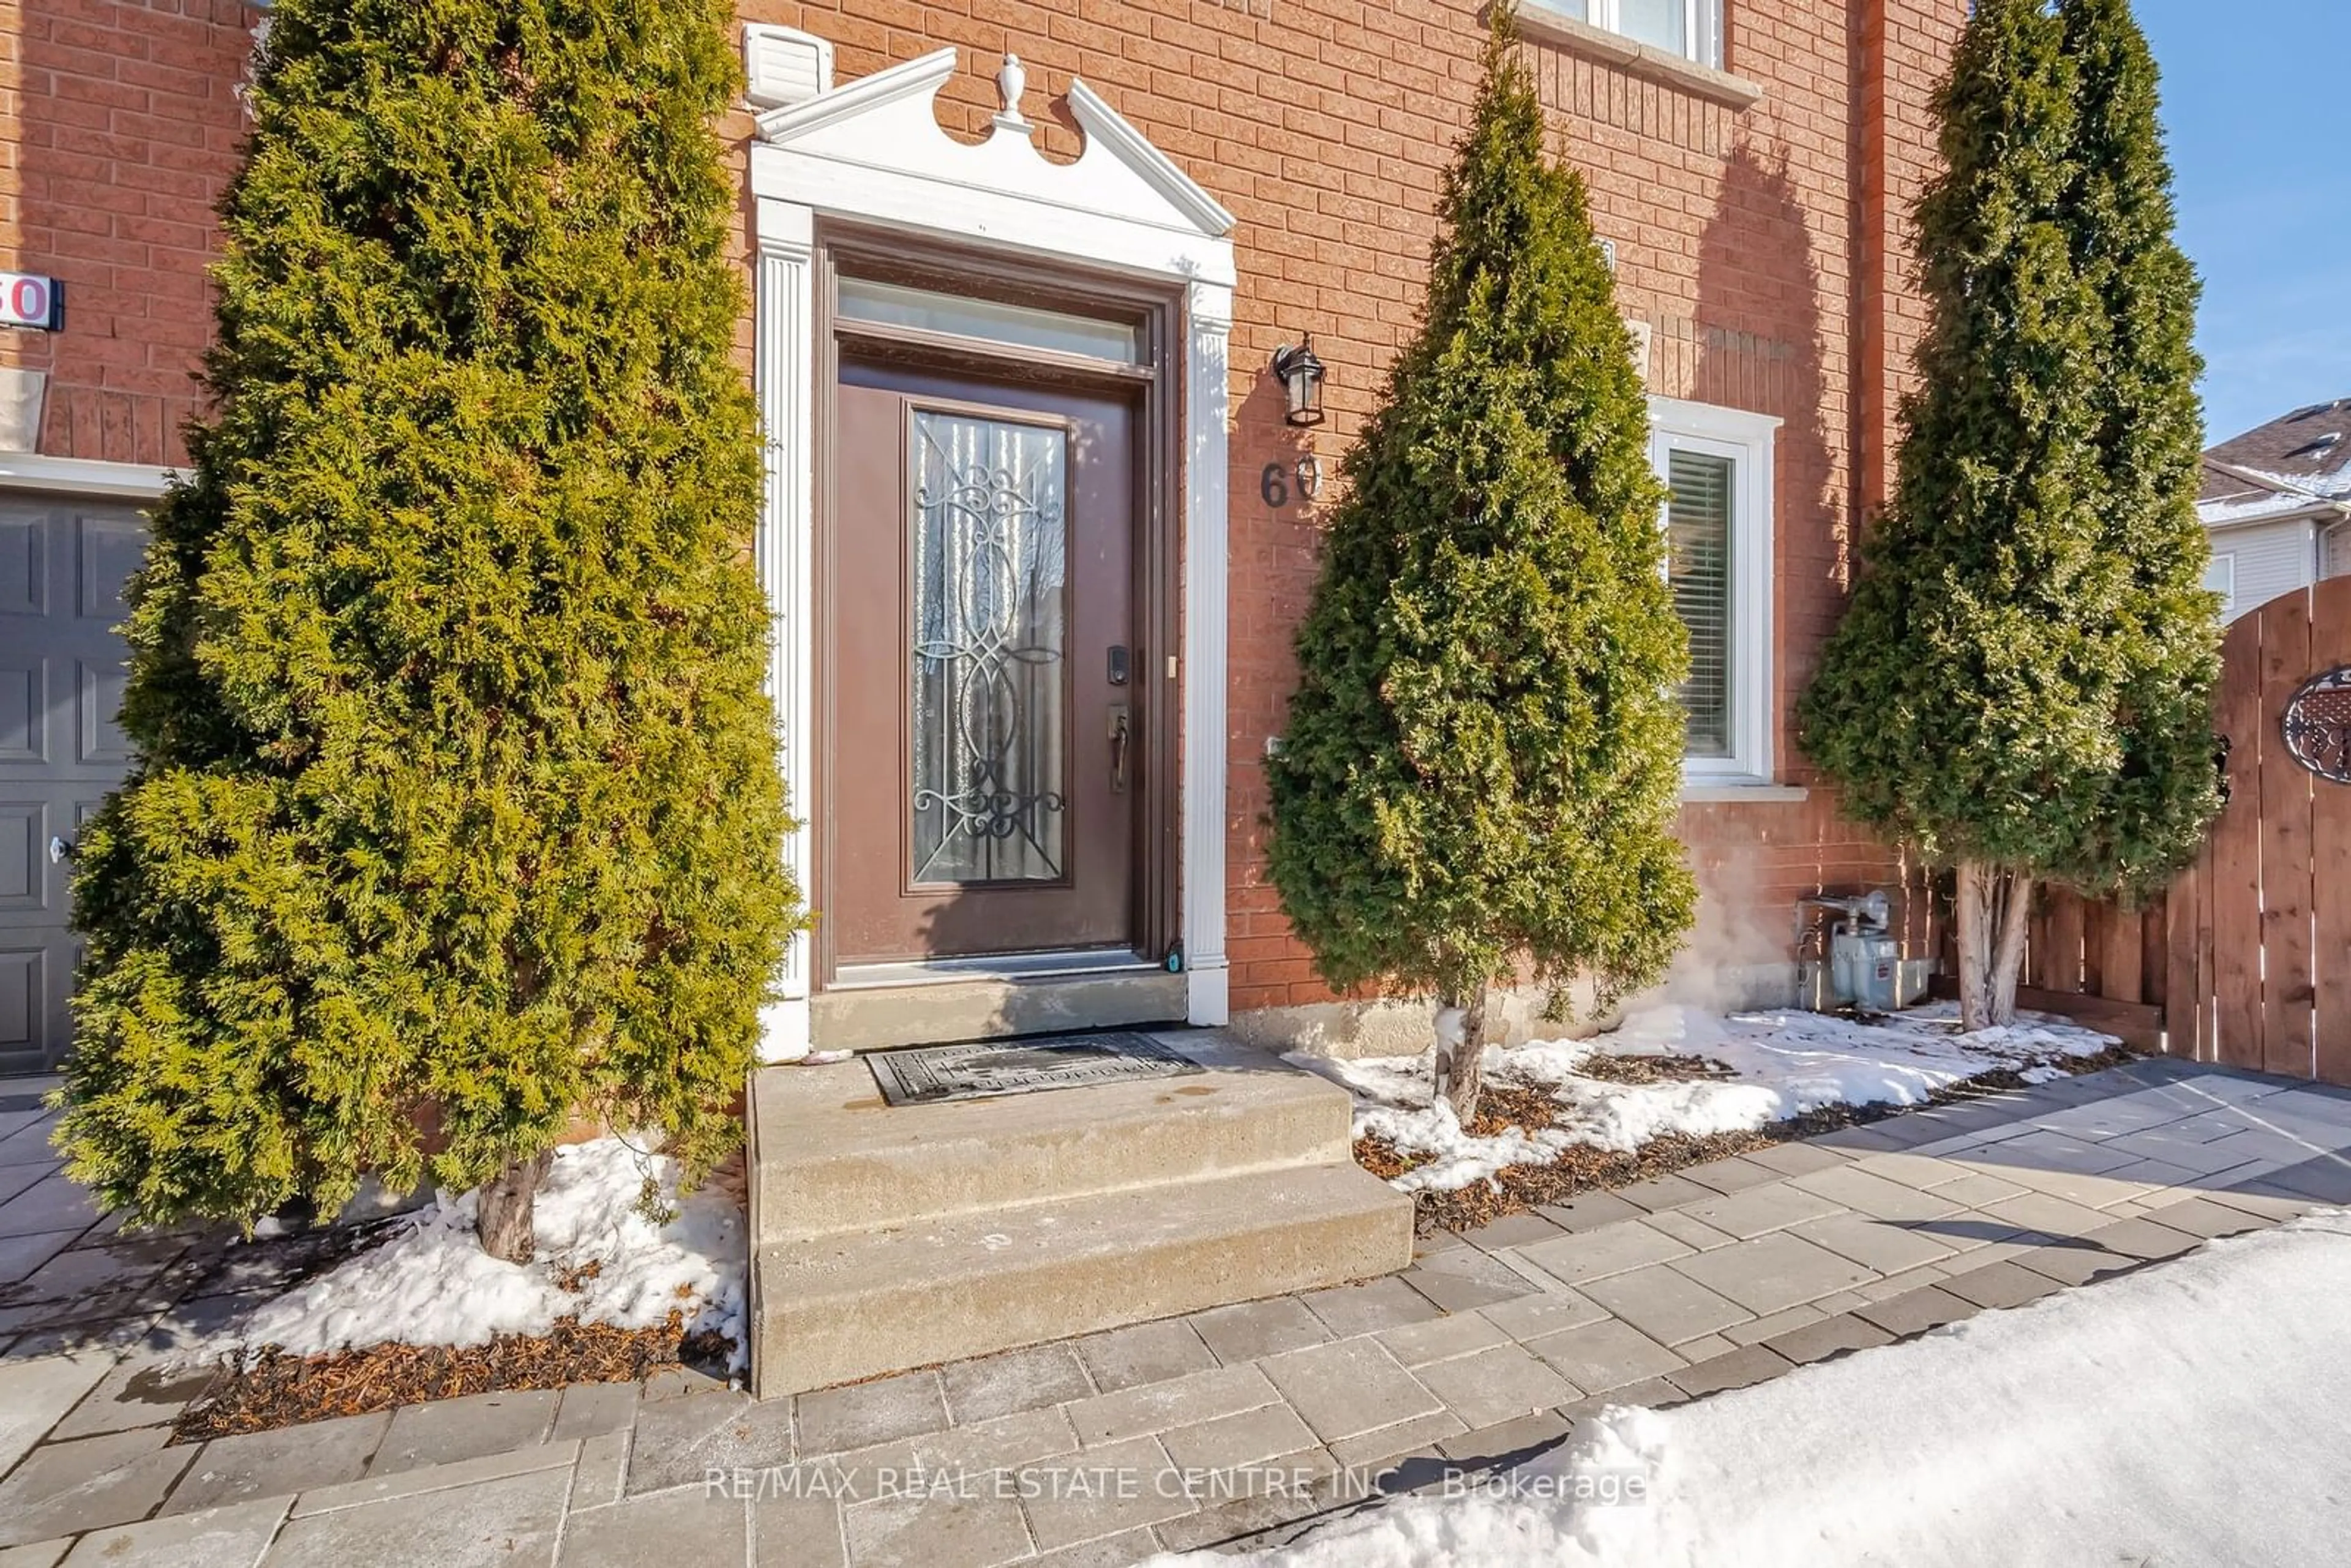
1121,731
60,848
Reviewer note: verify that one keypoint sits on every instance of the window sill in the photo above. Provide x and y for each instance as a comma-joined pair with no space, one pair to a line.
1725,792
1641,59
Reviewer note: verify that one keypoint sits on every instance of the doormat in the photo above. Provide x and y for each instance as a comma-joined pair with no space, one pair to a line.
929,1074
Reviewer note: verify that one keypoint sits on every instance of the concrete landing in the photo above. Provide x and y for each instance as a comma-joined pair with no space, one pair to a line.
893,1237
831,1155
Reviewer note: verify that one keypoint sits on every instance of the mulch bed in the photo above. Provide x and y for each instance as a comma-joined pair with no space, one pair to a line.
269,1389
1580,1169
1633,1068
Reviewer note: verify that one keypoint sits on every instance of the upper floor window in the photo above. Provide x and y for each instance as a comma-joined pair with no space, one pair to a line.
1690,29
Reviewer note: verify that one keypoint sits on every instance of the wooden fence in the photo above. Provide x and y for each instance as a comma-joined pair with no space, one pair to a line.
2102,966
2246,960
2261,938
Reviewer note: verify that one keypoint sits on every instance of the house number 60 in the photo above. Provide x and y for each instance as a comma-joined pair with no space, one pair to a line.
1274,486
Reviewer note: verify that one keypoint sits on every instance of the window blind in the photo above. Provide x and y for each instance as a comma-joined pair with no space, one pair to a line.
1698,546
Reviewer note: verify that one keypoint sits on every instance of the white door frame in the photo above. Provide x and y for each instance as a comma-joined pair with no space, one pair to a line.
873,151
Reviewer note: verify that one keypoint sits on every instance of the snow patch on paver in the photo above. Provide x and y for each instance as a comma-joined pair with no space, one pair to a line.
1784,1063
429,1283
2190,1413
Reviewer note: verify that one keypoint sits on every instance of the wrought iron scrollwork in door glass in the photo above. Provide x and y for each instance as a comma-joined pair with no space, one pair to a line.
989,559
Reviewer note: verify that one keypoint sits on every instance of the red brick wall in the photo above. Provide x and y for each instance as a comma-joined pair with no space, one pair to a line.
119,127
1743,238
1766,246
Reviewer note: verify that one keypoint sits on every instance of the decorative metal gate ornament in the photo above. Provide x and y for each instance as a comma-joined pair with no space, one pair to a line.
2318,724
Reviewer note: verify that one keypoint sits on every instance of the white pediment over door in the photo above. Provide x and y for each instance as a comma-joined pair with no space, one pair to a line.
875,147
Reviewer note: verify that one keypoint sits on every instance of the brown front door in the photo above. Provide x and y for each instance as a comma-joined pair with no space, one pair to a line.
986,767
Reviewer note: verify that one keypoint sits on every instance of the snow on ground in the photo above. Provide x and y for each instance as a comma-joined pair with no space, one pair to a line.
432,1284
2192,1413
1785,1063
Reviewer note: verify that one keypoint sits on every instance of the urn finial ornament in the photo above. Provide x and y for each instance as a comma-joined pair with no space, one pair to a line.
1011,81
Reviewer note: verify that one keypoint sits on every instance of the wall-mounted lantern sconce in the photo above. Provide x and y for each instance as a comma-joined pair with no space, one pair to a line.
1310,474
1300,374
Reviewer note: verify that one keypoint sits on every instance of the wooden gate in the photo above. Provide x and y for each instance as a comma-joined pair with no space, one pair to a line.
2260,930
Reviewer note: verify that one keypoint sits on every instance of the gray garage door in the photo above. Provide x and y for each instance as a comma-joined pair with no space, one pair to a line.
62,566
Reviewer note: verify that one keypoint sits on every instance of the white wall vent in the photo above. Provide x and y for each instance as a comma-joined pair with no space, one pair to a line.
784,65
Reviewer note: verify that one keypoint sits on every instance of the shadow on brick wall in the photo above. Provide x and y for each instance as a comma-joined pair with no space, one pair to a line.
1276,558
1764,345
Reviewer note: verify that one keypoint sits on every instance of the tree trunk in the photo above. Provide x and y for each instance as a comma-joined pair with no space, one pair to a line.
1461,1051
1974,944
503,1218
1995,906
2008,958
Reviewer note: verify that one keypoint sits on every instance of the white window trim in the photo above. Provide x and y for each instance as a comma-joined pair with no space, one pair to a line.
2227,561
1701,25
2328,558
1747,439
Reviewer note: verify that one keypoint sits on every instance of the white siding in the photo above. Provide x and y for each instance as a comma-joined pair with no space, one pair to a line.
2271,558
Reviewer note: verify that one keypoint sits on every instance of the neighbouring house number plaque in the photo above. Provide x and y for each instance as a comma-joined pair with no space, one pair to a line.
29,299
2317,724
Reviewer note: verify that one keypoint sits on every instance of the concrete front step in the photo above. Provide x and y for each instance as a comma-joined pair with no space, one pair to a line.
838,1308
829,1157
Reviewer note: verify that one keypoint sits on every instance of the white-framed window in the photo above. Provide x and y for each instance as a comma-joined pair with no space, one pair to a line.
1690,29
2334,552
2221,578
1716,464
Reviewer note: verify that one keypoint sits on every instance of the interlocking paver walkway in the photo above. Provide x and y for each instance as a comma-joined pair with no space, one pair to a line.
1190,1432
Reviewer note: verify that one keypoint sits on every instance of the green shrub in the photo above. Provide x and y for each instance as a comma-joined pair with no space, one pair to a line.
456,809
2022,684
1482,761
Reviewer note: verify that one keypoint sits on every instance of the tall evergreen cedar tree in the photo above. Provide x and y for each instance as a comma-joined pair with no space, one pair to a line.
1483,755
456,812
2022,684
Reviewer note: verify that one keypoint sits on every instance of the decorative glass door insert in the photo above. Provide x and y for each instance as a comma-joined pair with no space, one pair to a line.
988,562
